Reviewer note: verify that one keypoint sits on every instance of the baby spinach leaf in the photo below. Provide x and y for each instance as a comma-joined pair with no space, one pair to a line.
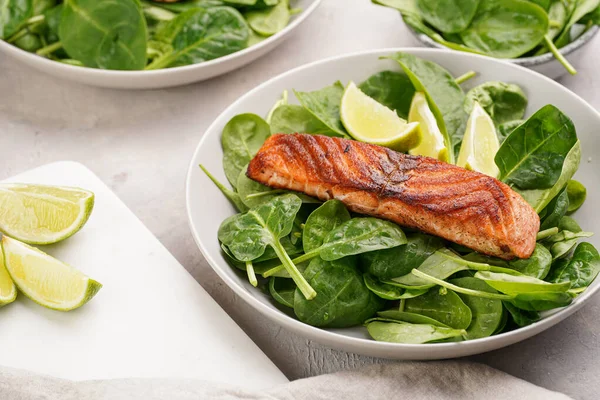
567,223
411,318
532,157
487,313
580,270
409,333
114,31
506,28
390,292
13,14
291,118
582,8
448,16
444,96
545,4
447,308
521,317
577,194
537,265
321,222
242,137
200,35
324,104
404,6
555,210
392,89
269,21
282,290
52,19
539,198
542,301
399,261
248,235
516,285
182,6
563,242
343,299
503,102
247,190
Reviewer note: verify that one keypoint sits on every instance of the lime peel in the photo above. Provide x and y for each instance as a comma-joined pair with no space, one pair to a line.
480,144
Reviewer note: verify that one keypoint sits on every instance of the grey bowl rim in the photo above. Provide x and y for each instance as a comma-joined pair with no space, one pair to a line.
524,61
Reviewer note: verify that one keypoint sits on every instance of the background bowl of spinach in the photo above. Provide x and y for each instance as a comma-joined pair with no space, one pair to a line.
547,36
208,209
145,44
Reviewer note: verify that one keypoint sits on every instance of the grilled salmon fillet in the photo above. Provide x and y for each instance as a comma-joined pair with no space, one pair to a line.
465,207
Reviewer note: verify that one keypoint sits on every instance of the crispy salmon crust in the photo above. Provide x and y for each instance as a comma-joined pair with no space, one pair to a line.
465,207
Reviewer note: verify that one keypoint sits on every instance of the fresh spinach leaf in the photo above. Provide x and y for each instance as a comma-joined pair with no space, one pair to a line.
114,33
390,292
506,129
13,14
567,223
291,118
539,198
324,104
392,89
444,96
487,313
577,194
411,318
580,270
521,317
532,157
183,6
555,210
582,8
248,235
447,308
200,35
399,261
517,285
542,301
343,299
504,102
269,21
537,265
506,28
449,16
395,332
321,222
282,290
242,137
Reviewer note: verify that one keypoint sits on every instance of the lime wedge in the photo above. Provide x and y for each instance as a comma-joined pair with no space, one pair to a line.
8,290
432,142
37,214
46,280
480,144
368,121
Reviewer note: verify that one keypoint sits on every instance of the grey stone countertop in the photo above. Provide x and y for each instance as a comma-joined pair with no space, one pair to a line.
140,144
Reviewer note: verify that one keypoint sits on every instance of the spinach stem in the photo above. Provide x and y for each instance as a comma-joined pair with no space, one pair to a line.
552,47
24,31
294,11
470,292
35,19
260,194
161,62
251,274
298,278
303,258
51,48
402,304
230,194
17,35
546,233
465,77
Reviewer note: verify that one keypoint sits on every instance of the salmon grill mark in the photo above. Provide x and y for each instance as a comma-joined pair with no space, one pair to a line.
465,207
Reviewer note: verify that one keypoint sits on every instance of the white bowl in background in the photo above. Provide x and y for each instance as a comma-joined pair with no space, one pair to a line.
207,207
161,78
545,64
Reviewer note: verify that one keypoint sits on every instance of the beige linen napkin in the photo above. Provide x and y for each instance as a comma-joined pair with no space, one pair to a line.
459,380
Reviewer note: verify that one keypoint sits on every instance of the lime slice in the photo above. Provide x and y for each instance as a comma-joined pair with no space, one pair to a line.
480,144
46,280
432,142
37,214
368,121
8,290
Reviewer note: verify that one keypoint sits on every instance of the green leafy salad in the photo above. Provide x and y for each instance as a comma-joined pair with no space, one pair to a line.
335,269
501,28
139,34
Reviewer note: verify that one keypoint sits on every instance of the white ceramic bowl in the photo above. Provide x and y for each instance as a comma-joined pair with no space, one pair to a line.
164,77
207,207
545,64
